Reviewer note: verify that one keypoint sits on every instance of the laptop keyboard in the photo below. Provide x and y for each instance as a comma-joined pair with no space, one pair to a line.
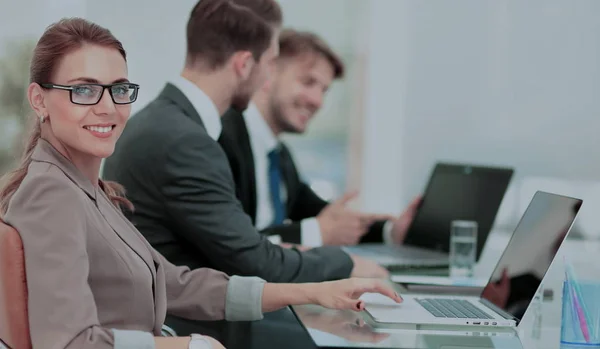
452,308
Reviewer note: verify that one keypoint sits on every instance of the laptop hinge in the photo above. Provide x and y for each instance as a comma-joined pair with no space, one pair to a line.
498,310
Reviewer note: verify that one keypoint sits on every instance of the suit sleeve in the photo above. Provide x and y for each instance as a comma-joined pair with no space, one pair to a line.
48,215
290,233
206,294
199,195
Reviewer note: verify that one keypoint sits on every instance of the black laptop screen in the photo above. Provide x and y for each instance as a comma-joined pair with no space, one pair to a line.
458,192
530,251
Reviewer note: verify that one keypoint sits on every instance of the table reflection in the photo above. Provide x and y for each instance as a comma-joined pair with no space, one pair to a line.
347,329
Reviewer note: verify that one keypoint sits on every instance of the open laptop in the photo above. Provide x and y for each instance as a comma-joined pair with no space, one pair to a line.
454,191
530,251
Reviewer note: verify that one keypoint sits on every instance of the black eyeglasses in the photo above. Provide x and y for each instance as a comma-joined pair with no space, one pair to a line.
91,94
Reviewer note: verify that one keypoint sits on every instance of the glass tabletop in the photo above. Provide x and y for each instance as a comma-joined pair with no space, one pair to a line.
312,326
540,327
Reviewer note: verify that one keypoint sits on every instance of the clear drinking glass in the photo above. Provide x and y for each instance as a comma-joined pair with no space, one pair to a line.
463,247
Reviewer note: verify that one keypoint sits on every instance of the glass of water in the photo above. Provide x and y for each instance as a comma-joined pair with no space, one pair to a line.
463,246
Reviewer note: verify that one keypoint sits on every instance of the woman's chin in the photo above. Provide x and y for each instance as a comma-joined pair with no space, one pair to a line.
103,152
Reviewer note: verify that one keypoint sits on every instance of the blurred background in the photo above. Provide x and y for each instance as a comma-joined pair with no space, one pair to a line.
496,82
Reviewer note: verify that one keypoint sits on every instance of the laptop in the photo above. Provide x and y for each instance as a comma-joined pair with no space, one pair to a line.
454,191
530,251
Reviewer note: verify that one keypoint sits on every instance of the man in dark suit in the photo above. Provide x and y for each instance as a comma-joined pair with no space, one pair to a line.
262,165
178,177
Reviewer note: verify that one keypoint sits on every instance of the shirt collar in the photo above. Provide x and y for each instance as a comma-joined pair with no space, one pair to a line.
205,107
45,152
259,130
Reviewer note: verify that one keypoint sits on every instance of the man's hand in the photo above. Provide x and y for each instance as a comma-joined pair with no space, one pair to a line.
364,268
341,225
404,221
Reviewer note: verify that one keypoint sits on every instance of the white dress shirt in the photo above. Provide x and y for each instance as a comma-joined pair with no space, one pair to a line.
206,108
263,141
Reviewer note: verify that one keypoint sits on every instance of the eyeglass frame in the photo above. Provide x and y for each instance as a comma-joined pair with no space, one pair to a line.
104,87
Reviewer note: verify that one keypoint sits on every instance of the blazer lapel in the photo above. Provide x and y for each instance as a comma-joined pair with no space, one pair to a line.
248,162
45,152
172,93
288,176
117,222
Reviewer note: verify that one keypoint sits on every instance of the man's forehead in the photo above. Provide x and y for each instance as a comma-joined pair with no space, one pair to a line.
305,60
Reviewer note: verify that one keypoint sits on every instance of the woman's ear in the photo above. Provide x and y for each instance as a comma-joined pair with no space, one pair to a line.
243,62
35,95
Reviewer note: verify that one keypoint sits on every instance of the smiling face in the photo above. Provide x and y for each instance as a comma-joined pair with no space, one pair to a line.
84,130
298,89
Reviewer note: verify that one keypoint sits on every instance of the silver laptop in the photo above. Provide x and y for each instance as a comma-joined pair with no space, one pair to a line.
454,191
531,250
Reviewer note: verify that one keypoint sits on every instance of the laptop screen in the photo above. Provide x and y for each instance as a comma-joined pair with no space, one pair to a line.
458,192
530,251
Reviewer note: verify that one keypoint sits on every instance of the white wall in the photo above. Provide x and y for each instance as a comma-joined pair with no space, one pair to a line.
499,82
153,34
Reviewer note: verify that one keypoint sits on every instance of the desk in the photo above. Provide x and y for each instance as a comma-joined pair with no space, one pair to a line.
539,329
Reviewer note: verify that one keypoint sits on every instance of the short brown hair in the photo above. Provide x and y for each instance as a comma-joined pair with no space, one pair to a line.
217,29
294,43
268,10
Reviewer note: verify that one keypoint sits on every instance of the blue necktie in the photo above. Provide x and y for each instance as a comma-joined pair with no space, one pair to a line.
275,187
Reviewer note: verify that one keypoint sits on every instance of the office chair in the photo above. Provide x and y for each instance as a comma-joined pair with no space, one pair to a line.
14,323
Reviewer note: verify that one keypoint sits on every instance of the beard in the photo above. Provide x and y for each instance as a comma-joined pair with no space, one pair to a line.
278,114
240,101
244,92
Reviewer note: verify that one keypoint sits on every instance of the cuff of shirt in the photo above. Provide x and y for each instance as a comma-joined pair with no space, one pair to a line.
388,226
244,299
275,239
200,340
310,233
125,339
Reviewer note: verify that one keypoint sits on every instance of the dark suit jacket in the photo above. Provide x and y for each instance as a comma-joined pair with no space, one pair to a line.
302,201
180,182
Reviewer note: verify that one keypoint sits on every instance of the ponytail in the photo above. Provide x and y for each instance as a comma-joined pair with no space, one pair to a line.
116,194
10,182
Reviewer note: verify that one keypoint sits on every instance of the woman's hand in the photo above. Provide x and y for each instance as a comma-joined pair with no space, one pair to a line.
345,294
342,294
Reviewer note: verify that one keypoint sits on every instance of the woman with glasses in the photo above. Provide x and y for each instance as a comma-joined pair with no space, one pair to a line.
93,281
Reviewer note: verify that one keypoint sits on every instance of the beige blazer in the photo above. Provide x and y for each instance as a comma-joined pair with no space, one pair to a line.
93,280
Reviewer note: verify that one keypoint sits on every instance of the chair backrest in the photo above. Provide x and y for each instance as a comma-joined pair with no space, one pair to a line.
14,322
